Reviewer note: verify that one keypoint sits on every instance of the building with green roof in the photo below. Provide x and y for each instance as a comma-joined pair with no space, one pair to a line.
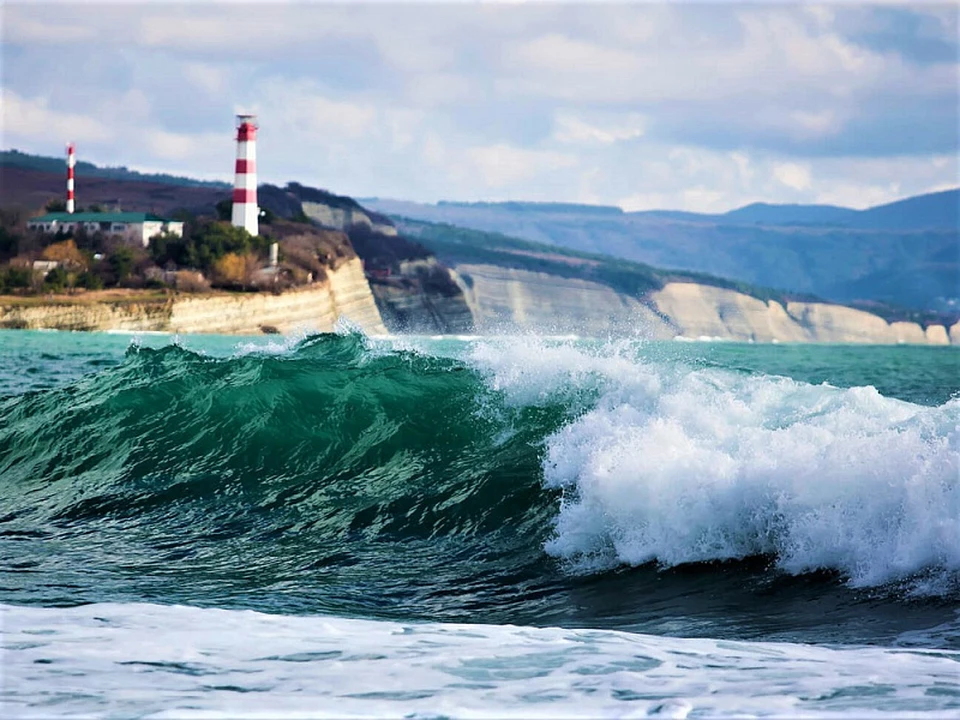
134,226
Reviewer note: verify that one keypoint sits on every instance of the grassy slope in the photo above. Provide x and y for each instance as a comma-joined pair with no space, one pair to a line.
454,244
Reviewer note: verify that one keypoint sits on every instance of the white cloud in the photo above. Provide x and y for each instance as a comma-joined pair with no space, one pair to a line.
206,77
572,129
501,165
302,109
179,147
793,175
28,119
824,122
560,53
701,107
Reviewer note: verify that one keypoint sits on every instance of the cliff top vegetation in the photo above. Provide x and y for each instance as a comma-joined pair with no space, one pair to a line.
209,253
455,245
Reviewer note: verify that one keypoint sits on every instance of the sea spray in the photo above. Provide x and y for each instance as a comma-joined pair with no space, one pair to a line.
676,465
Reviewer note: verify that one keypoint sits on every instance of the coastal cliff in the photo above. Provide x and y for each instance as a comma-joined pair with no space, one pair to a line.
344,294
402,275
506,299
509,299
698,311
423,296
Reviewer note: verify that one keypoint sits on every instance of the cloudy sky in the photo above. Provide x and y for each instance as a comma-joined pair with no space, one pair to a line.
649,105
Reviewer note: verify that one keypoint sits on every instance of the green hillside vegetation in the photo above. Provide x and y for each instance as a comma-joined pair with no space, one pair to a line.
210,253
452,245
916,267
455,244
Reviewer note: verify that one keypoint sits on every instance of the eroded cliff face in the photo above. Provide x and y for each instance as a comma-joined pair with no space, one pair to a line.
424,297
700,311
345,294
507,299
490,299
343,218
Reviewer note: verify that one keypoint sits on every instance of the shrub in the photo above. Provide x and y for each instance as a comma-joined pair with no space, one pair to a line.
191,281
56,280
89,280
231,269
65,253
18,277
121,263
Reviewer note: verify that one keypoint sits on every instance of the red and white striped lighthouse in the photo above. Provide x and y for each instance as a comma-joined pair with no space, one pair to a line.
245,210
71,161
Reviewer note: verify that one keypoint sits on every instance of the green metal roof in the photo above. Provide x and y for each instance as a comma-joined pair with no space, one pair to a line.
112,217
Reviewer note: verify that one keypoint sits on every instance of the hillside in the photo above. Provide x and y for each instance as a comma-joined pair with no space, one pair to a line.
906,253
439,278
31,189
413,292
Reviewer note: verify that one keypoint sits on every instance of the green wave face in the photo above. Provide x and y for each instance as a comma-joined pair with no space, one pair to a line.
344,476
328,470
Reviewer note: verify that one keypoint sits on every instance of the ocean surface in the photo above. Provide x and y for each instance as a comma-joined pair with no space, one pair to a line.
342,526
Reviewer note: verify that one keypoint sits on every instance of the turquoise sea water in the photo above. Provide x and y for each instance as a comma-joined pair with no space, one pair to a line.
498,526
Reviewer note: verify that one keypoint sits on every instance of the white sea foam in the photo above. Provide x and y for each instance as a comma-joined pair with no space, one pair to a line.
676,465
178,662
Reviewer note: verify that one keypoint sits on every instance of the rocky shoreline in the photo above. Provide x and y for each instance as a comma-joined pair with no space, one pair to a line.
345,293
495,300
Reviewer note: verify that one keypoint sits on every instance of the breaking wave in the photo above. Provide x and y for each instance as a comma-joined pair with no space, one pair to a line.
336,469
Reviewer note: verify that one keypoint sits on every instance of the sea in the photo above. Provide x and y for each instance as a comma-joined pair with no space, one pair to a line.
338,525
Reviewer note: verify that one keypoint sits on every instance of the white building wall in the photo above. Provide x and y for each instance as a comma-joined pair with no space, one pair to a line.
139,233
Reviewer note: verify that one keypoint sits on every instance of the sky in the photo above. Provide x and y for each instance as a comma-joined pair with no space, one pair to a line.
702,107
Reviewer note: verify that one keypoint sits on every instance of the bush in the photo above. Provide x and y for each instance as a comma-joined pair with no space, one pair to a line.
17,277
89,280
9,243
65,253
231,269
121,263
189,281
56,280
225,209
203,243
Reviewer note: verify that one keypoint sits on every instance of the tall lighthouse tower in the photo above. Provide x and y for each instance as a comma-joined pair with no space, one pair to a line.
71,161
245,210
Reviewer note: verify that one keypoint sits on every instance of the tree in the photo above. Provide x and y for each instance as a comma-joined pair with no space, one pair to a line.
56,280
121,263
56,205
90,281
67,254
18,276
225,209
231,269
9,244
236,270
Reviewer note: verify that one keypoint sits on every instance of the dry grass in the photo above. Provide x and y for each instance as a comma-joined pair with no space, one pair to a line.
114,296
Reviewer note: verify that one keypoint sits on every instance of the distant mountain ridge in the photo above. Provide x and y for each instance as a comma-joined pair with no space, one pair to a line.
938,210
904,253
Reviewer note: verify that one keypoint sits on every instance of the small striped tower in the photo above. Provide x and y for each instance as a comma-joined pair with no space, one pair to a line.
71,162
245,210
